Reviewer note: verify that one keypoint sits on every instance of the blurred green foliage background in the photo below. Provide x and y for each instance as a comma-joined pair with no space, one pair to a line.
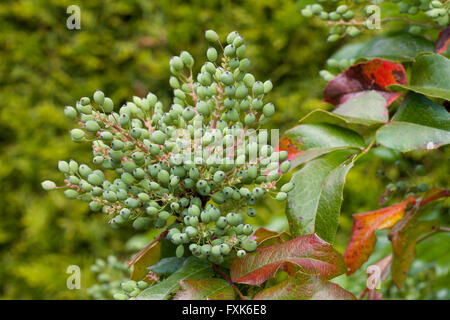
123,48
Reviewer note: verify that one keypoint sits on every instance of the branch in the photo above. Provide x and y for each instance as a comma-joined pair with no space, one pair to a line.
434,231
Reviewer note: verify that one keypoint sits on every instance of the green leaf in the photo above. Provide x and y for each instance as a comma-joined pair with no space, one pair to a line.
418,109
404,236
150,256
308,254
311,140
205,289
430,75
315,202
353,123
369,106
401,48
192,268
303,287
418,124
349,51
167,265
313,136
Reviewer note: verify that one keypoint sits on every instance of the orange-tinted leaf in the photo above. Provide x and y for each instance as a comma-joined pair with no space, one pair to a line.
443,41
308,254
375,75
205,289
363,238
266,237
147,258
304,287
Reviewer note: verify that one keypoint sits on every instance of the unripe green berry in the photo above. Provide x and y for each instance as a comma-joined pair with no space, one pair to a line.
287,187
108,105
131,203
187,59
71,194
422,187
48,185
285,166
281,196
206,249
241,253
258,88
180,251
249,245
77,135
211,35
99,97
70,112
211,54
244,64
269,110
227,78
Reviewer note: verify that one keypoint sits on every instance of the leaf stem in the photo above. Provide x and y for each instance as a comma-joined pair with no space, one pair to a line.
158,238
217,269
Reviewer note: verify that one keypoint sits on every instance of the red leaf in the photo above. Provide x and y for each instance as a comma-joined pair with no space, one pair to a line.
308,253
363,239
303,287
371,75
443,41
205,289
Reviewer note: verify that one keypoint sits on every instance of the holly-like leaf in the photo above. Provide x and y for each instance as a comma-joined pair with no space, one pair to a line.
374,75
308,254
430,76
192,268
399,48
314,204
418,124
167,265
304,287
363,238
404,236
148,257
266,237
205,289
443,41
308,141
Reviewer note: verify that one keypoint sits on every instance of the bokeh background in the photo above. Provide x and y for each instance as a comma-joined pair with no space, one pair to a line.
123,48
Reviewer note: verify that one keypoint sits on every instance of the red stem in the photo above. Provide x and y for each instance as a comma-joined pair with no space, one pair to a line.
442,194
159,237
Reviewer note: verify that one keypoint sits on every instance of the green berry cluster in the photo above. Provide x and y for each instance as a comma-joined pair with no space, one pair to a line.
403,189
110,273
351,19
129,289
201,190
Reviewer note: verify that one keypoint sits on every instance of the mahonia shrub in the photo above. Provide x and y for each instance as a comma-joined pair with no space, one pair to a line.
197,168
